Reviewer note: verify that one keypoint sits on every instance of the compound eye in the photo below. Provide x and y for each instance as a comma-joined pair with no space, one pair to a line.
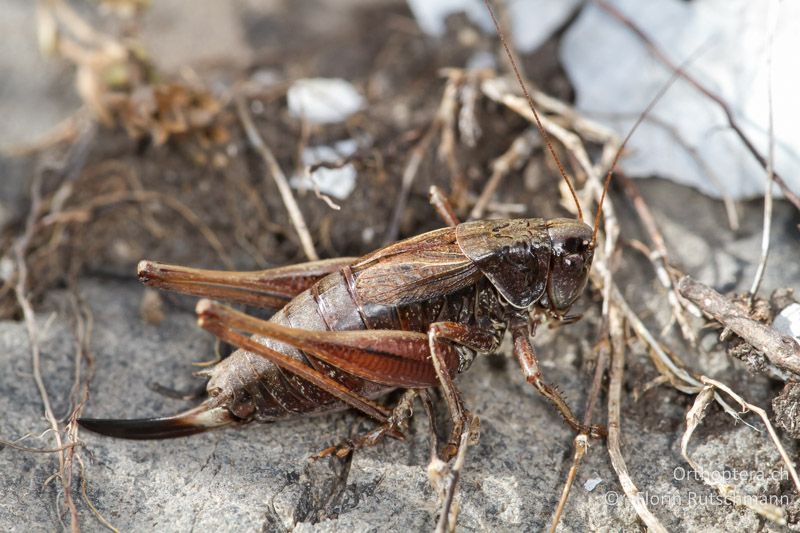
573,262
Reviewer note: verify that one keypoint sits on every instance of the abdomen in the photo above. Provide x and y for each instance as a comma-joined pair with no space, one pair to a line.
269,393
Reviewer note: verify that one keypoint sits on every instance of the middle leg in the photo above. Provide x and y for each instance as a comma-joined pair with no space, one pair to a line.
465,425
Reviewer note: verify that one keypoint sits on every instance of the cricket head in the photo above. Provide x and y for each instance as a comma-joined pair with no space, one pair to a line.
531,261
570,261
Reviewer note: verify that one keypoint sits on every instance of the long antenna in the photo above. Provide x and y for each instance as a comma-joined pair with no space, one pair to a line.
545,136
675,75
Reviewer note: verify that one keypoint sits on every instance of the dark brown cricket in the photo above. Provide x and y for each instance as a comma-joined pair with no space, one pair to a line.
350,330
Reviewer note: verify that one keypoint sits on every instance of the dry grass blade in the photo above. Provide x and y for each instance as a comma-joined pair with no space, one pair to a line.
279,177
614,429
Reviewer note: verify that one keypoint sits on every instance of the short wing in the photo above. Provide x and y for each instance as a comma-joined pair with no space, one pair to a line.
413,270
414,276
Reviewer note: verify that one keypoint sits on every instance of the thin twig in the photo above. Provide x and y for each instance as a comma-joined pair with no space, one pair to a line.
21,289
278,176
782,350
767,224
659,259
518,152
614,395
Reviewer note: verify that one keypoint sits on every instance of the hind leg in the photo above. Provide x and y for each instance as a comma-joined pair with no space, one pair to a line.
393,427
270,289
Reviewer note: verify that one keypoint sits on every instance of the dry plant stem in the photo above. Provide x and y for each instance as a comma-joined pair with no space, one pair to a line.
450,506
614,395
782,351
65,132
80,391
442,206
495,89
666,278
581,443
79,27
468,127
448,114
14,446
767,224
409,175
678,377
518,152
651,45
89,502
278,176
20,251
444,121
693,419
659,258
764,418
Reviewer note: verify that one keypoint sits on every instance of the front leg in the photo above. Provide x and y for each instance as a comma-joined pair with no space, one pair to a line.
530,367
